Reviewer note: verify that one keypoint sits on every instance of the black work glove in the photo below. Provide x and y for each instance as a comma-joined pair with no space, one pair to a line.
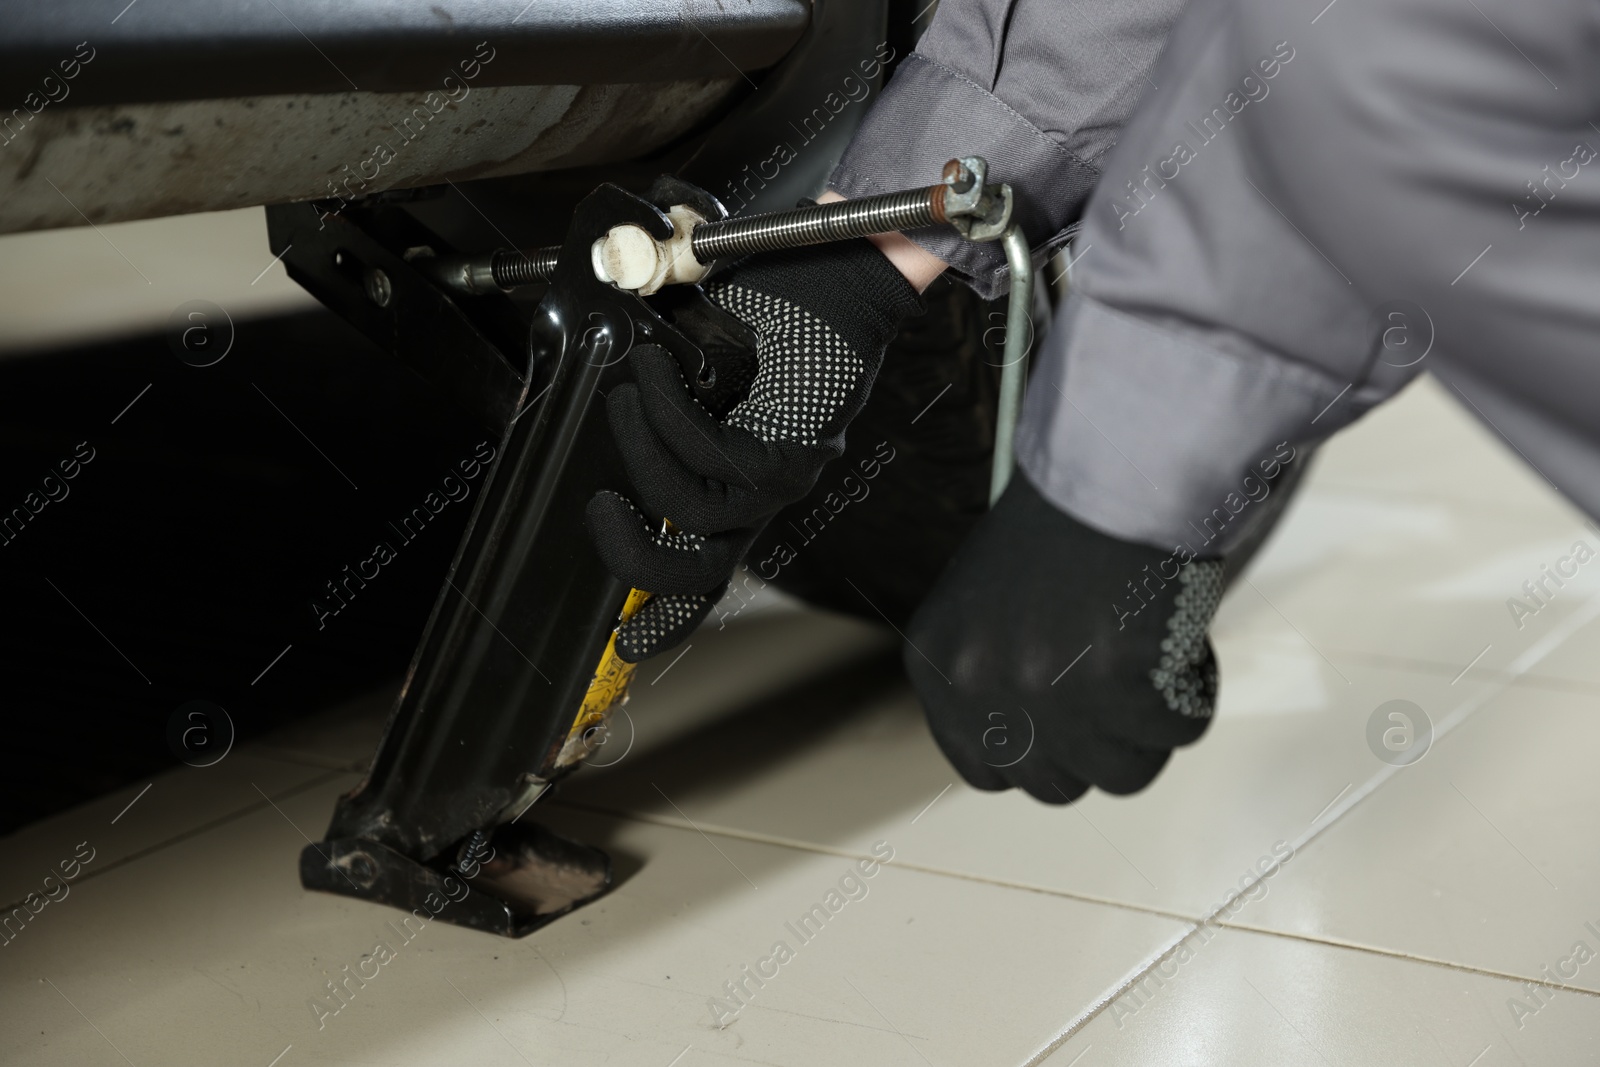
821,316
1053,657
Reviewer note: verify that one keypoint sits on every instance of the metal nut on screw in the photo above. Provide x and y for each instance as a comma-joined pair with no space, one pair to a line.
379,291
957,176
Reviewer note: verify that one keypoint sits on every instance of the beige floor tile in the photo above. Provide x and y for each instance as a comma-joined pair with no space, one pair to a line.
1414,530
74,285
1248,1000
1482,853
1425,444
1423,584
208,952
835,764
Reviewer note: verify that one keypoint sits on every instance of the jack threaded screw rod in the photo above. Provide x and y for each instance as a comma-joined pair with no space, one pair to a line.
979,212
819,224
520,268
814,225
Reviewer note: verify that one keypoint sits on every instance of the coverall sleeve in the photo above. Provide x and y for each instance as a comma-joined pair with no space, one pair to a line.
1321,201
1039,88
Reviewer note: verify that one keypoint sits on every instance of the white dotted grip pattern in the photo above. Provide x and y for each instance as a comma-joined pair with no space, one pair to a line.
804,370
662,619
1188,688
662,537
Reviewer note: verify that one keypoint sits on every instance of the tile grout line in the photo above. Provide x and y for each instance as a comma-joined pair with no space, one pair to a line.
827,850
1083,898
1409,957
221,820
1516,669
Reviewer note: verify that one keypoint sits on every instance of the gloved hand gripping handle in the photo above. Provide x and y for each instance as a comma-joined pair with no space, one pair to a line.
632,259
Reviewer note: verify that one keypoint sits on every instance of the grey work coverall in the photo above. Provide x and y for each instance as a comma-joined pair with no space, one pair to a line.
1312,203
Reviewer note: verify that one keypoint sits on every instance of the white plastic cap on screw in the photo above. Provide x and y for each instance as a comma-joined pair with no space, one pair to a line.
629,258
626,257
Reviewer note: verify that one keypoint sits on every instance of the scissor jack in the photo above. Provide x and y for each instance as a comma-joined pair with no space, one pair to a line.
515,676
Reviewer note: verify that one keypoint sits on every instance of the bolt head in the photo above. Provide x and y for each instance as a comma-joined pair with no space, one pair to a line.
363,871
379,291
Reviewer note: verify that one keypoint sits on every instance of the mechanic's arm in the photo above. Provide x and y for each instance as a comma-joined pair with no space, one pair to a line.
919,266
1284,234
1037,87
1065,647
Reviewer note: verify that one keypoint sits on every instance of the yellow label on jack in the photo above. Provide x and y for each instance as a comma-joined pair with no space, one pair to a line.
608,688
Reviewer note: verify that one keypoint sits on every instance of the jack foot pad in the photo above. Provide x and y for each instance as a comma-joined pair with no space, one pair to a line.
524,877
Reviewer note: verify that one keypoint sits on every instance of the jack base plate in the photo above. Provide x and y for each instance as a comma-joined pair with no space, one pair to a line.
524,878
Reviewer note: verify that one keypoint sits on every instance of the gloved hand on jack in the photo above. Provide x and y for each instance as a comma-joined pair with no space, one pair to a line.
1030,675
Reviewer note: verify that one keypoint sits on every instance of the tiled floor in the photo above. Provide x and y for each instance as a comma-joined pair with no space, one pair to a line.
1406,909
